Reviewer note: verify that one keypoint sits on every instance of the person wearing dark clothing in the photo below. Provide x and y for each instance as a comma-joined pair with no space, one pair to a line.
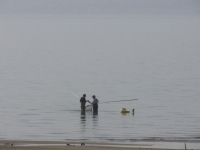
83,101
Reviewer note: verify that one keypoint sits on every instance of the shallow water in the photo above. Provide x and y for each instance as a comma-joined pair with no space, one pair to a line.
44,60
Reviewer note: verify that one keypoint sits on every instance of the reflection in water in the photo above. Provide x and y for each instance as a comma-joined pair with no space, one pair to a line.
82,113
95,113
123,114
95,118
83,120
92,117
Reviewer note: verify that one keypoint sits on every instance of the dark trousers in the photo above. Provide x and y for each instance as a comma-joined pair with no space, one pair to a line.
95,107
83,107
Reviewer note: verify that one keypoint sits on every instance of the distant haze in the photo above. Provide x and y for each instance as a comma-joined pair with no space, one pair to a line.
101,7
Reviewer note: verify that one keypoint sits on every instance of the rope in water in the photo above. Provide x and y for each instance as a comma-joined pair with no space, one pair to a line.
119,101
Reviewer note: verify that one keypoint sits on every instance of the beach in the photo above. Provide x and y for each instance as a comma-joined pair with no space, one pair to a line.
59,145
69,148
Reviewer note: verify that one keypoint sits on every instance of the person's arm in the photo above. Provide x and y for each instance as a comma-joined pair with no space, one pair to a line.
89,101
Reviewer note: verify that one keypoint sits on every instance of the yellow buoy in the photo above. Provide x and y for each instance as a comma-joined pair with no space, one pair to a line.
123,110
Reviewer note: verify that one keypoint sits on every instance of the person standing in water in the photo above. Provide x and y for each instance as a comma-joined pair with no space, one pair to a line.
94,103
83,101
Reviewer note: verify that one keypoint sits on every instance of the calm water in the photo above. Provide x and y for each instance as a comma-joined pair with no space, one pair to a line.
43,60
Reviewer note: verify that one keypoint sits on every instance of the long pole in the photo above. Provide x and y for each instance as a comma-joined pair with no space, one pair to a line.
75,95
119,101
109,101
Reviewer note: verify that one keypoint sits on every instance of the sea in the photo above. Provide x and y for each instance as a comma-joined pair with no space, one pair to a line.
48,62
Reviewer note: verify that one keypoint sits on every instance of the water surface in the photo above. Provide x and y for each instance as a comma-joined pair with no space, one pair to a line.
43,60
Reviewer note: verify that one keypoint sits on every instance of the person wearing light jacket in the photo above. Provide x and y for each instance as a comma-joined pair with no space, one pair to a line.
94,103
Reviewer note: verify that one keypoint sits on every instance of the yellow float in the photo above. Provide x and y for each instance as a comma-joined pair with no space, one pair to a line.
123,110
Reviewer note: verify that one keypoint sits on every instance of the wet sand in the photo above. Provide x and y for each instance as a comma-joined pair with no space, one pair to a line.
59,145
70,148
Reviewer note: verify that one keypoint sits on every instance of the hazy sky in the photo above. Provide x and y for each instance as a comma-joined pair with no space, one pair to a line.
100,7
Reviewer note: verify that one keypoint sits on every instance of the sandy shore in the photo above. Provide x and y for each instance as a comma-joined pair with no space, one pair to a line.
59,145
68,148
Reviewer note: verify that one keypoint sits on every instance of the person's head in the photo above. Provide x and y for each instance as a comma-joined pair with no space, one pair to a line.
93,96
84,95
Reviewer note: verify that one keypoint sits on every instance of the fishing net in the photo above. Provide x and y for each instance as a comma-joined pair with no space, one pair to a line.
88,107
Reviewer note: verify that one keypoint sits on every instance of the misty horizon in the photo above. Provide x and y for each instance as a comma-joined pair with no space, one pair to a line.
103,7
